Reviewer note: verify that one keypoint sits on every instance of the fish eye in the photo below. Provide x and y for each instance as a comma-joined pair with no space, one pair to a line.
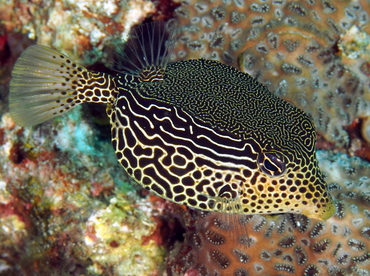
271,164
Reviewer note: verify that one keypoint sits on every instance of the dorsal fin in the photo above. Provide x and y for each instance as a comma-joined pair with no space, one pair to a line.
147,50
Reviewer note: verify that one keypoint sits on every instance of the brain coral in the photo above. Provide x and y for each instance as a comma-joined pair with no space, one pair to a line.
299,49
219,244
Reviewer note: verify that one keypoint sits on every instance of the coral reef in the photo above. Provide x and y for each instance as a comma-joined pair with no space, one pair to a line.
288,244
66,206
123,225
312,53
80,29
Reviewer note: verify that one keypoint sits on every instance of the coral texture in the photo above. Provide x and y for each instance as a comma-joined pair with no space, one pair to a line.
79,29
66,205
312,53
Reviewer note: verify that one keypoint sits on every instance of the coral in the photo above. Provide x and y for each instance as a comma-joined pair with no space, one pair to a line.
359,132
80,29
117,228
219,244
66,206
311,53
365,129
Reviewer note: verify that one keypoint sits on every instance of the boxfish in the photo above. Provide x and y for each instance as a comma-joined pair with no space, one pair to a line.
196,132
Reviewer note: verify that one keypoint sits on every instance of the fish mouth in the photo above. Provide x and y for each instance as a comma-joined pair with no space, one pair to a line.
322,210
322,205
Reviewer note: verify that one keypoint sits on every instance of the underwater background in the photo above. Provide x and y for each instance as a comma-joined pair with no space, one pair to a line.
68,208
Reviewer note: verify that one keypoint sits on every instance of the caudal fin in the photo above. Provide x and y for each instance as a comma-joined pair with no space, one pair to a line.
46,84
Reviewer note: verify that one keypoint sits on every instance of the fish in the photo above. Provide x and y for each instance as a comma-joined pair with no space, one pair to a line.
196,132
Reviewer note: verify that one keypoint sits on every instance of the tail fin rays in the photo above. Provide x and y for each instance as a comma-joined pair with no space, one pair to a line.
43,85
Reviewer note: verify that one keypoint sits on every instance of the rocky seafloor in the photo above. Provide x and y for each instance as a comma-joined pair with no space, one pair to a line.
66,205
